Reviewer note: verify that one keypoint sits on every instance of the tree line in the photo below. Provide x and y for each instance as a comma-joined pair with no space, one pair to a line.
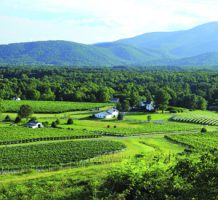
190,89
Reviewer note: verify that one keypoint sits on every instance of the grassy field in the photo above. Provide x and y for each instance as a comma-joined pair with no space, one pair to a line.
51,106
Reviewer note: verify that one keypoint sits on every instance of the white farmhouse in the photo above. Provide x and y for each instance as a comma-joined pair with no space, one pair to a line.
148,105
16,98
112,113
34,124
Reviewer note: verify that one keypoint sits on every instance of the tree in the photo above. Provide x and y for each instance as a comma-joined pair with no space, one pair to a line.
134,99
125,106
120,116
201,103
162,99
25,111
149,118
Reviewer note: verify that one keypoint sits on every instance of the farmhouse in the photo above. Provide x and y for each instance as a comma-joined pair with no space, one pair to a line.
16,98
107,114
148,105
34,124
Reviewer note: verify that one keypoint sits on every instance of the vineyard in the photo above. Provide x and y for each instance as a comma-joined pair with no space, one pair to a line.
141,128
198,118
18,135
54,154
51,106
199,141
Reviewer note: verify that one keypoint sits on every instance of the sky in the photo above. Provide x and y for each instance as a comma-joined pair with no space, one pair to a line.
93,21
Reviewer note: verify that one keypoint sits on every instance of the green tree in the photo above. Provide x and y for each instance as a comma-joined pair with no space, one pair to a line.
25,111
149,118
201,103
162,100
125,106
120,116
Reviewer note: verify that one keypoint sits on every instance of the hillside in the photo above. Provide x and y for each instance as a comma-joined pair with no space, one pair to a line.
197,46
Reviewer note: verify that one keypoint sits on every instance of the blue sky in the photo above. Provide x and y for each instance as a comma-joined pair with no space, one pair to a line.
91,21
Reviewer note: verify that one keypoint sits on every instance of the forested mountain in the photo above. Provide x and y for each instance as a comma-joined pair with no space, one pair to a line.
197,46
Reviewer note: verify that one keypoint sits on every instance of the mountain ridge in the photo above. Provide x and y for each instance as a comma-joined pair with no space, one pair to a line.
197,46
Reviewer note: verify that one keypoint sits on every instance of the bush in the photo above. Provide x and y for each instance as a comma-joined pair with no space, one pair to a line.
70,121
57,121
115,126
54,124
203,130
108,126
17,120
7,118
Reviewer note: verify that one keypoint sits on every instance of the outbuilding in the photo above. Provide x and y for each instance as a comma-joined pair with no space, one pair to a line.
34,124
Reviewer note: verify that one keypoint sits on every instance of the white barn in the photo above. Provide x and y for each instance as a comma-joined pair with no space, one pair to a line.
112,113
34,124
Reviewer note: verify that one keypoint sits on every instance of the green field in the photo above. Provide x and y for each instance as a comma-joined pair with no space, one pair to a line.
51,106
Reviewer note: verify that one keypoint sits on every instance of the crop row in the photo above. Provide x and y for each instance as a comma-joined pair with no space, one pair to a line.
53,154
150,128
197,120
199,141
51,106
9,135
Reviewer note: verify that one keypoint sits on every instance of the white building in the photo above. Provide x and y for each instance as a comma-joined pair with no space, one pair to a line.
112,113
148,105
34,124
16,98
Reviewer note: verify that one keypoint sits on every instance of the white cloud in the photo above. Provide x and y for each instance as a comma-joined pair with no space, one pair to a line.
91,21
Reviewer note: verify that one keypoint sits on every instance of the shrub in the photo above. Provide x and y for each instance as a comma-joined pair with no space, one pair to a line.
203,130
17,120
7,118
115,126
57,121
70,121
54,124
108,126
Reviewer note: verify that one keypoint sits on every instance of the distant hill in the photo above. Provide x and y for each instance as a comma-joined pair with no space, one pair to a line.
197,46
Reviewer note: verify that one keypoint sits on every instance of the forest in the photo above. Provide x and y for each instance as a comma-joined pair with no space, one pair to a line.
192,89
